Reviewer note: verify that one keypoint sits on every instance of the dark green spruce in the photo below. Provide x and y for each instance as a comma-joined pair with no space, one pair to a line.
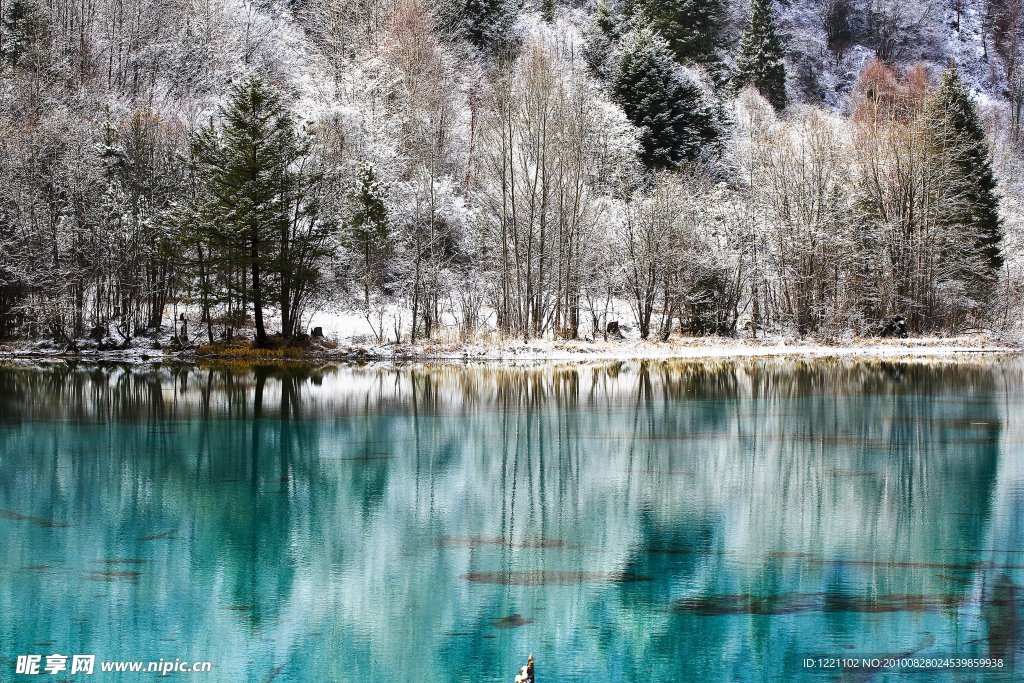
762,59
958,133
678,123
693,29
487,24
261,207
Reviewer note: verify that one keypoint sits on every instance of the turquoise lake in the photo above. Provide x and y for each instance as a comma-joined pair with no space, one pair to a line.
634,522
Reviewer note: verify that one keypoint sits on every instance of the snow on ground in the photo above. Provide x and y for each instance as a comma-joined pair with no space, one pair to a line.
349,335
363,347
689,348
356,335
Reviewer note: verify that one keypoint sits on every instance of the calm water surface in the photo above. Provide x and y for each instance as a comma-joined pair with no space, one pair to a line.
623,522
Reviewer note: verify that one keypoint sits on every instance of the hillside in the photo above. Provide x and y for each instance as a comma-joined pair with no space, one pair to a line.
465,171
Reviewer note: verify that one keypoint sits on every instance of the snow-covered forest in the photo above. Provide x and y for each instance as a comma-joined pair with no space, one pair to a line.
472,170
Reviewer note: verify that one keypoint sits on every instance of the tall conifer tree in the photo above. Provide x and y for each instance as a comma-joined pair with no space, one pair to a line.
958,140
677,121
762,60
487,24
261,211
692,28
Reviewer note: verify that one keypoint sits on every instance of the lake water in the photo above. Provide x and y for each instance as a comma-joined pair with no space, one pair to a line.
622,521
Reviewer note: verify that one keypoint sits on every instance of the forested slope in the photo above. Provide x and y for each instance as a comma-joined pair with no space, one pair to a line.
479,169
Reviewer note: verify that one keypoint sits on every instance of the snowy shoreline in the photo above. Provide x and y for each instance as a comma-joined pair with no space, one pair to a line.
514,352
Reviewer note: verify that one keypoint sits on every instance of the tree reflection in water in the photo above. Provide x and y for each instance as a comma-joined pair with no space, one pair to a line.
648,520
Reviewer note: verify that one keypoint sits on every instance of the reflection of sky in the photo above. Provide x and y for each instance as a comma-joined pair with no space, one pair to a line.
645,521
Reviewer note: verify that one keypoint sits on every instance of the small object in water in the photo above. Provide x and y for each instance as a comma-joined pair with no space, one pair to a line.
526,673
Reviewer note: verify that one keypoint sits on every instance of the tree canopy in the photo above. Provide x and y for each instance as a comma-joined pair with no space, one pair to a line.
678,121
762,58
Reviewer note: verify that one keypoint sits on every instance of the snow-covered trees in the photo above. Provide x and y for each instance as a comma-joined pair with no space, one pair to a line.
957,136
428,113
22,25
259,206
55,245
487,24
143,173
368,231
693,29
678,120
1004,21
675,269
925,199
679,117
907,229
454,186
545,139
798,194
924,202
762,59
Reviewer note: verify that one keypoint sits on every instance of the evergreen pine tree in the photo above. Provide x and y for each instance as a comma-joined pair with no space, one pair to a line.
607,21
21,26
959,138
487,24
368,233
692,28
762,55
677,121
246,165
601,37
547,11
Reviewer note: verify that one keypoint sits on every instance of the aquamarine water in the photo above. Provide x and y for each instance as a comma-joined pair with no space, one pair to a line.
623,522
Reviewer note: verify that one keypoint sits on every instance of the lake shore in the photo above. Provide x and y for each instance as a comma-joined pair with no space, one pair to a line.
539,350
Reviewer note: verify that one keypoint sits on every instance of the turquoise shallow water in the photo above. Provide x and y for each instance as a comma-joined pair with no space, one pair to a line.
623,522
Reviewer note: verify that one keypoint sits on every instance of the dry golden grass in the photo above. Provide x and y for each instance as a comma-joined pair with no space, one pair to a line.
247,352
